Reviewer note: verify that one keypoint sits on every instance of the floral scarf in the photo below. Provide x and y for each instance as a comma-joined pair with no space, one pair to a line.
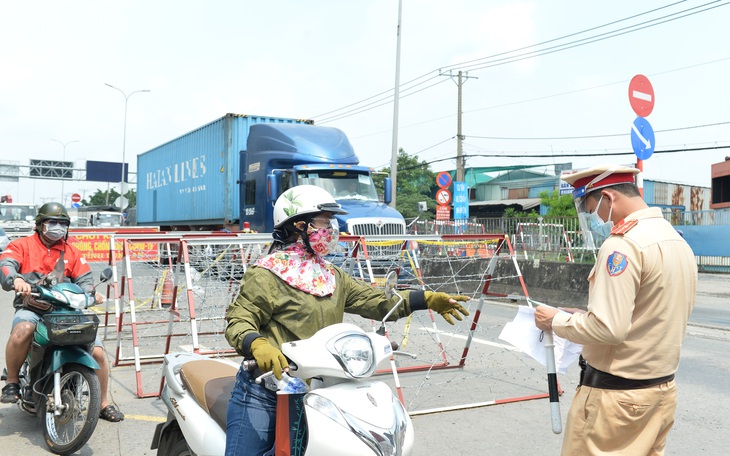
300,269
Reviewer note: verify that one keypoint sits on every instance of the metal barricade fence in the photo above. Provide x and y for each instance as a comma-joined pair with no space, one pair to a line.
171,293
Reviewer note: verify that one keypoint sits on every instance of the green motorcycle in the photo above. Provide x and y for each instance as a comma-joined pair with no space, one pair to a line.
58,381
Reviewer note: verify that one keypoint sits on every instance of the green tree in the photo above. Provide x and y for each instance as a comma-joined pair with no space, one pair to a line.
511,212
100,198
415,183
558,205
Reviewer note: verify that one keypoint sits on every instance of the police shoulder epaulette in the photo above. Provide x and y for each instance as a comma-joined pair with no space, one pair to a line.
624,227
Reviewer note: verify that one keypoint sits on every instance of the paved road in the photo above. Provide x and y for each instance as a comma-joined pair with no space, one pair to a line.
520,428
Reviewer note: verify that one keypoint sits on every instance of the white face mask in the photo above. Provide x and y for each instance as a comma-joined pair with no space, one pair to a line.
54,233
598,226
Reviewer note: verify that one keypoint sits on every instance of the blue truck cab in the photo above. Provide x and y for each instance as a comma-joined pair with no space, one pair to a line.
230,171
279,156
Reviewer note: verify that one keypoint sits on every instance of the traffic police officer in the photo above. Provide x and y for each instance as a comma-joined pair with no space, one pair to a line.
641,293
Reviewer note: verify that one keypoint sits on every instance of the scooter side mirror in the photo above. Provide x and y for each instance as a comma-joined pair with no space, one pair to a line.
391,280
105,275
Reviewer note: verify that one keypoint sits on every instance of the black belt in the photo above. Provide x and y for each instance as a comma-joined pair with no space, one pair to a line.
598,379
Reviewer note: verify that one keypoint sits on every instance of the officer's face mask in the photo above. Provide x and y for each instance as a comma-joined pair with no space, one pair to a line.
54,230
601,228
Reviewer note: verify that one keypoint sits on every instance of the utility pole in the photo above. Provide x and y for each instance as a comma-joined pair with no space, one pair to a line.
396,100
460,162
124,147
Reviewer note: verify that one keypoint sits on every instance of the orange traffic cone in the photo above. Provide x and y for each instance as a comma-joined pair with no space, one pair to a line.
167,290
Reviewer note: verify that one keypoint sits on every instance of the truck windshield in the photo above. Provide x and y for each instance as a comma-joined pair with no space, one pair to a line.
341,184
109,219
17,212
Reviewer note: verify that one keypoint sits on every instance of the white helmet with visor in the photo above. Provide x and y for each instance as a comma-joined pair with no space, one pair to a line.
587,181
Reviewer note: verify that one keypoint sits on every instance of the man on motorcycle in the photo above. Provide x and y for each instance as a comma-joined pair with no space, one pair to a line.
290,294
27,261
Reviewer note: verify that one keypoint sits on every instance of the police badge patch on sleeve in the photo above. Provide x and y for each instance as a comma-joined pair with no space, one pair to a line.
616,263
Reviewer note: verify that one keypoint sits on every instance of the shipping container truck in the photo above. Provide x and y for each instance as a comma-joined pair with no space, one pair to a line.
231,171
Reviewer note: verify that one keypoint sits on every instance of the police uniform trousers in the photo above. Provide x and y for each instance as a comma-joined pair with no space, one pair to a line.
627,422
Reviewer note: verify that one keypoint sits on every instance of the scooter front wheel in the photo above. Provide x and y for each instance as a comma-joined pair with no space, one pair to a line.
80,404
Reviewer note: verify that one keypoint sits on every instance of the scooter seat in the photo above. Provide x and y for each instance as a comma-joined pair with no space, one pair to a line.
210,383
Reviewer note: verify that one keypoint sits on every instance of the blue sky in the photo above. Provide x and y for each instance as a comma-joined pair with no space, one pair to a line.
311,59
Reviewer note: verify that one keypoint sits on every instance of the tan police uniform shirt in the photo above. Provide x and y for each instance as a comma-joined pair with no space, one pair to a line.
641,293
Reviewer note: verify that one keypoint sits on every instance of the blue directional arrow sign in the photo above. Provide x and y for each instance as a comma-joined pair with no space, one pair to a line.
642,138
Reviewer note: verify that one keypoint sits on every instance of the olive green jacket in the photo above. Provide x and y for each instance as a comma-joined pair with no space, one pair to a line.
268,307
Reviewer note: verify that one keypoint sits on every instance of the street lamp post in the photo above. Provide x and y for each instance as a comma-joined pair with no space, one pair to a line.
124,138
64,144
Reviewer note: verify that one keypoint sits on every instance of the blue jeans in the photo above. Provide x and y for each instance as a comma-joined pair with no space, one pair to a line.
251,417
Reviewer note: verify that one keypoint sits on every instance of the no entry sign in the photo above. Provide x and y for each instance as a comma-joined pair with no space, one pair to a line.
641,95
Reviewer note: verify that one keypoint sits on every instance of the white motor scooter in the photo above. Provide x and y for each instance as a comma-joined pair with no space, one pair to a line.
344,407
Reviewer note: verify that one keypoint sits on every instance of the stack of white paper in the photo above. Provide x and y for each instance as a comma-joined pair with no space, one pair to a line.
523,334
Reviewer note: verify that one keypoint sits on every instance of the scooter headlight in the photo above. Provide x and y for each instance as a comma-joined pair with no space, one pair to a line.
388,441
355,354
75,300
79,300
326,407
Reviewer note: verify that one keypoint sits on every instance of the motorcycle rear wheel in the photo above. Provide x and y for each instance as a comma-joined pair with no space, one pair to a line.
173,443
81,398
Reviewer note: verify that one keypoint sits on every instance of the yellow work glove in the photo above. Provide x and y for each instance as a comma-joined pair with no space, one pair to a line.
268,357
446,305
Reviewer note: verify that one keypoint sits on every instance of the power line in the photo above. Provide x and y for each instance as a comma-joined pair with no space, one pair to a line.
562,155
381,102
459,65
386,97
670,151
592,136
415,154
403,86
591,39
571,92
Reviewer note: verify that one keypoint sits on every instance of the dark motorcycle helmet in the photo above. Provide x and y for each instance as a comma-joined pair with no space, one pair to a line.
51,211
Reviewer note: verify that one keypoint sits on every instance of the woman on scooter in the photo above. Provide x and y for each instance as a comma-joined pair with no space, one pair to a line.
290,294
